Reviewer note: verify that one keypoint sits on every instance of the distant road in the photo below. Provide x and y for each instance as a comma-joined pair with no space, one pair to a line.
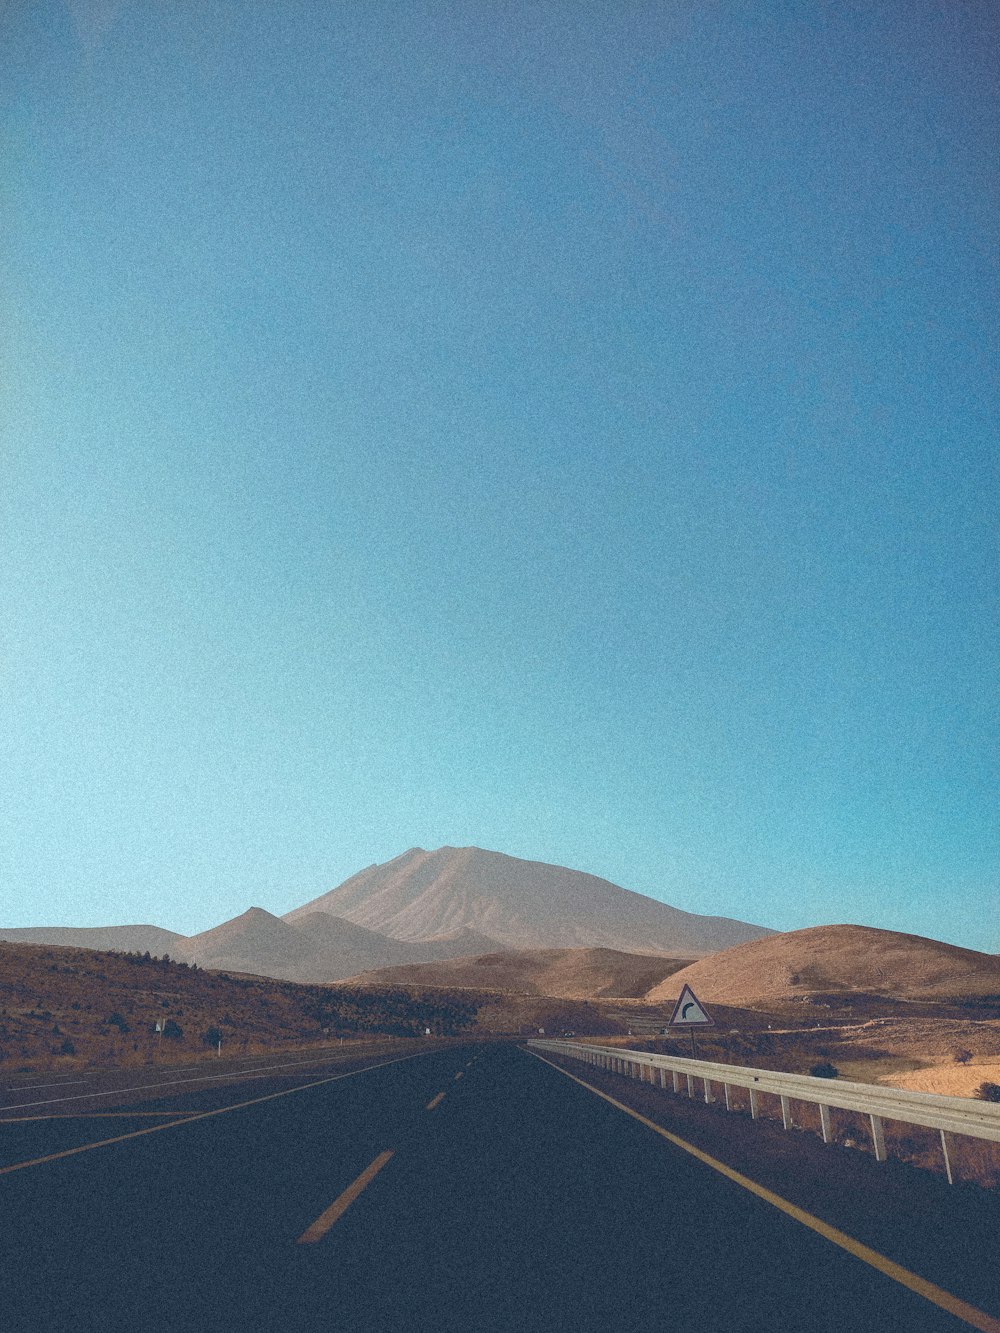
469,1188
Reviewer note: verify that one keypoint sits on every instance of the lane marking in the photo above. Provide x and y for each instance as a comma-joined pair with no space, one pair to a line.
169,1083
27,1087
318,1229
458,1076
954,1305
436,1102
89,1115
188,1117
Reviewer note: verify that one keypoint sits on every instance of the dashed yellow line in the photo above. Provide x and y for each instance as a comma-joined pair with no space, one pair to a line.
436,1102
318,1229
954,1305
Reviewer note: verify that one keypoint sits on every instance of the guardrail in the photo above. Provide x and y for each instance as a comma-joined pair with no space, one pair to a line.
948,1115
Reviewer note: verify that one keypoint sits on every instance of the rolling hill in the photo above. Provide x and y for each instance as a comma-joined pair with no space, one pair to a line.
518,904
831,959
317,947
577,974
115,939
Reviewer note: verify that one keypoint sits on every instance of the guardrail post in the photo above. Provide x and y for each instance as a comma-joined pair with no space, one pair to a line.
824,1121
663,1077
676,1080
786,1114
753,1103
725,1089
690,1078
708,1090
947,1159
878,1137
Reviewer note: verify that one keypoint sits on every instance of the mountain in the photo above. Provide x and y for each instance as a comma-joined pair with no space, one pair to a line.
830,959
112,939
317,947
519,904
578,974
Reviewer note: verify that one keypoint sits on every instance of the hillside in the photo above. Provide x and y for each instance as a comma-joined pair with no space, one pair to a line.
125,939
317,947
564,973
61,1006
837,959
519,904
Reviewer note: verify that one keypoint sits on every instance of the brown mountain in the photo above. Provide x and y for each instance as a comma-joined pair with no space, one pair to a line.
318,947
579,974
829,959
519,904
113,939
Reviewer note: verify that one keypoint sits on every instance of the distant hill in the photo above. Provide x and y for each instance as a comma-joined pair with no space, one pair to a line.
830,959
561,973
317,947
115,939
519,904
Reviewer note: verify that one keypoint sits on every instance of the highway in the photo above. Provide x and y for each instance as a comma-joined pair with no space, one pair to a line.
470,1187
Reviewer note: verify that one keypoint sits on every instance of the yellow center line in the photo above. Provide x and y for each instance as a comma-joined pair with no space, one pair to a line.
436,1102
936,1295
188,1117
318,1229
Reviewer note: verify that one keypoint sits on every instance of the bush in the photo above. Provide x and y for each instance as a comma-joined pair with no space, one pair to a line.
67,1048
173,1030
962,1057
211,1036
824,1070
988,1092
117,1020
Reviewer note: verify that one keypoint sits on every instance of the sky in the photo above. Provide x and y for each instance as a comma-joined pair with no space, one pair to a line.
566,428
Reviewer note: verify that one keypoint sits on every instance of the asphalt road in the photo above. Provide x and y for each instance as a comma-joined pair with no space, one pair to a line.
469,1188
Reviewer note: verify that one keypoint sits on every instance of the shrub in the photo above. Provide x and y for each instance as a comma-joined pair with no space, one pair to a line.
211,1036
962,1057
173,1030
988,1092
824,1070
117,1020
67,1048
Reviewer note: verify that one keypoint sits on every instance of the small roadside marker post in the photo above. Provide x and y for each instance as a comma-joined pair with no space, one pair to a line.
690,1013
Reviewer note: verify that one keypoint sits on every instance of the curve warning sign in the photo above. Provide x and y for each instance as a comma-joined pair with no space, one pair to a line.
689,1012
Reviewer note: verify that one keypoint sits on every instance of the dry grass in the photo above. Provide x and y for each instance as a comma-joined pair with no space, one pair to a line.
61,1008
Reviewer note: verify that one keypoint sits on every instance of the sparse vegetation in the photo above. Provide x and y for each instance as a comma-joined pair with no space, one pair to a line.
988,1092
824,1070
88,1001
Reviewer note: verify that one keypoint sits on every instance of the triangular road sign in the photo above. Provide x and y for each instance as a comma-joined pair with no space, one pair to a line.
689,1012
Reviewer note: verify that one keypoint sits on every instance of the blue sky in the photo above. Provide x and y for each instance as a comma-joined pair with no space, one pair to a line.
567,428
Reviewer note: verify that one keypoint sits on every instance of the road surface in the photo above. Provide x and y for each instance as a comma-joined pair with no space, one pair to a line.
467,1188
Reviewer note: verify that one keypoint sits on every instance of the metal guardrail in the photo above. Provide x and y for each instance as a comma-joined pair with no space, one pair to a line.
948,1115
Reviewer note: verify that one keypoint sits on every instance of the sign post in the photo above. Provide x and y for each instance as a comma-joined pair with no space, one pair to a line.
690,1013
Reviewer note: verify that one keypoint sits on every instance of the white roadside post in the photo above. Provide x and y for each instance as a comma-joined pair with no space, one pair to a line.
824,1120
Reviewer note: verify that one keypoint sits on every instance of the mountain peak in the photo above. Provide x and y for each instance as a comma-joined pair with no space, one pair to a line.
520,904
